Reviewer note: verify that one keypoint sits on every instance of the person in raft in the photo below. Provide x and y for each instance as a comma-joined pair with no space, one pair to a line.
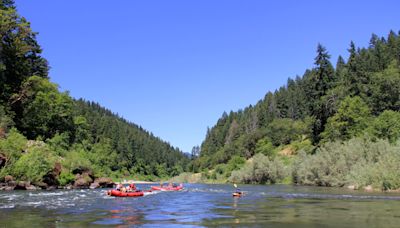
132,187
119,187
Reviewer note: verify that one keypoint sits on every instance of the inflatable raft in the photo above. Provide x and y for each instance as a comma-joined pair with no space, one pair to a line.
159,188
125,194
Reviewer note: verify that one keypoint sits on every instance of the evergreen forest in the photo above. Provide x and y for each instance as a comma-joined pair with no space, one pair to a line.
336,125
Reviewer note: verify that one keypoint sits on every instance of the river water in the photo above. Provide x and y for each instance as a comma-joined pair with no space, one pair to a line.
201,205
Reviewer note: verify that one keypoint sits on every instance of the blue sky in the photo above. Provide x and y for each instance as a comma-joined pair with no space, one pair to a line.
174,67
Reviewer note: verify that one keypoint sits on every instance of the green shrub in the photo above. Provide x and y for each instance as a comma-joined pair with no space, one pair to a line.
33,165
358,162
188,178
5,121
59,143
236,162
220,169
283,131
206,173
386,126
76,159
13,145
305,145
265,147
351,120
66,178
260,170
381,170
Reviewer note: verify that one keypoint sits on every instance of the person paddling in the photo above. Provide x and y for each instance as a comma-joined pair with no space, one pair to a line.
237,191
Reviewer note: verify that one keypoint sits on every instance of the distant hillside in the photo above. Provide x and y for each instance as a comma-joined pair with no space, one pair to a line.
133,144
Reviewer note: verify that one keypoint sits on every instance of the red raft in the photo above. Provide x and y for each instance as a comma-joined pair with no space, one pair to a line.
159,188
125,194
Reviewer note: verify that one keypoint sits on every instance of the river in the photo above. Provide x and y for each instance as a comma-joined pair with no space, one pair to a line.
201,205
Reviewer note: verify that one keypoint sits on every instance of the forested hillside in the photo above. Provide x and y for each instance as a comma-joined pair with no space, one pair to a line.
45,132
357,99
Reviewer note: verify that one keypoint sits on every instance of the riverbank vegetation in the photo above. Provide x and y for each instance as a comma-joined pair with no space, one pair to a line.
333,126
50,139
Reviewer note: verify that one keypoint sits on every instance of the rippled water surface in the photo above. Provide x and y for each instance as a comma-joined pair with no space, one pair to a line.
202,205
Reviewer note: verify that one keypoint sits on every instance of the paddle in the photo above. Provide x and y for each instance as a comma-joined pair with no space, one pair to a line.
235,185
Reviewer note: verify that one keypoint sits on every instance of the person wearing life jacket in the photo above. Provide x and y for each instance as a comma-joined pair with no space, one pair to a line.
132,187
119,187
238,191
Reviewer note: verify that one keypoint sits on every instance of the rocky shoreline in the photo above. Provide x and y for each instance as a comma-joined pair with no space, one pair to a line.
10,184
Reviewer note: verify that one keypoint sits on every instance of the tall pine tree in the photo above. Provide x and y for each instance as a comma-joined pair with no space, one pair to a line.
323,80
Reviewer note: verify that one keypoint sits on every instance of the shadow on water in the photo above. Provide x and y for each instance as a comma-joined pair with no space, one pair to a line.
202,205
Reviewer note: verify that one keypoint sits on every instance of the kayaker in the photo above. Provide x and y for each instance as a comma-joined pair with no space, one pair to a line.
237,189
170,185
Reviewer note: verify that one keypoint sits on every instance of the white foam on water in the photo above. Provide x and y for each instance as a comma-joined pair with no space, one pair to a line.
333,196
151,193
47,194
208,190
9,206
34,204
10,197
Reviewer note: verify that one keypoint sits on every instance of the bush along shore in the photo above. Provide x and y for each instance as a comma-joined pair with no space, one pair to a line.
362,163
30,165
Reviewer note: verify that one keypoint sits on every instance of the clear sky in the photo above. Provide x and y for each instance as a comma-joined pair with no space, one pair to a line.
174,67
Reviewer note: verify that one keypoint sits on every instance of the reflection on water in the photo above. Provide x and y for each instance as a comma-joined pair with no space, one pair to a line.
203,205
